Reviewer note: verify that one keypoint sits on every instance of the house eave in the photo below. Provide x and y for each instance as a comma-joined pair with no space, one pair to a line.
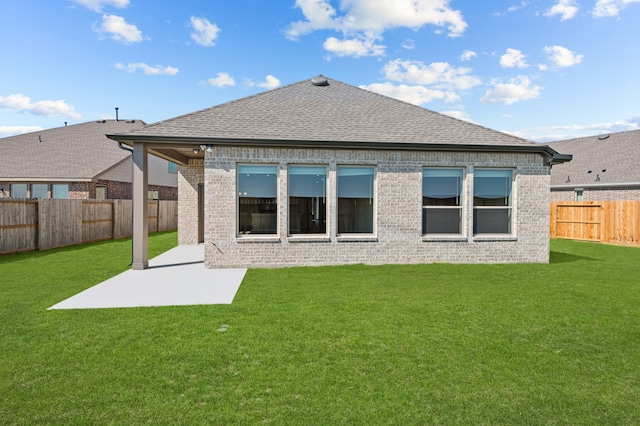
596,185
163,142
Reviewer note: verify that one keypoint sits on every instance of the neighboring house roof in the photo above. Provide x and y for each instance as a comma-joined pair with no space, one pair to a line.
604,160
78,152
323,112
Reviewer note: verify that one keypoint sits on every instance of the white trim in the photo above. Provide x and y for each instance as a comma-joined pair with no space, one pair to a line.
595,185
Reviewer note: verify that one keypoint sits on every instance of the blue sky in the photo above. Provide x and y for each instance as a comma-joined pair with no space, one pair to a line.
539,69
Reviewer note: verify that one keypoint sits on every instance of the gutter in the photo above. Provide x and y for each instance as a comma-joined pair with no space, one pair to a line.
595,185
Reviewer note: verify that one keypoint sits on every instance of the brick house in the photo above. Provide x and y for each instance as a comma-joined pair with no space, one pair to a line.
80,162
604,168
320,172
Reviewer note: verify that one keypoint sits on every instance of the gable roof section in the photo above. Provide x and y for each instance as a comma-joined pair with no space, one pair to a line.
613,160
78,152
332,115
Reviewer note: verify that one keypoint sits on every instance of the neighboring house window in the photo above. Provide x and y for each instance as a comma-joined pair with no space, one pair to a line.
579,193
60,190
257,199
153,194
101,192
173,167
442,201
19,190
307,200
492,202
39,190
355,200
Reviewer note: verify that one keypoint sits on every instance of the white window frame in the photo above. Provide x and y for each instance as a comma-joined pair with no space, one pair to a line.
20,185
509,207
56,187
46,190
460,206
105,192
373,199
324,197
247,232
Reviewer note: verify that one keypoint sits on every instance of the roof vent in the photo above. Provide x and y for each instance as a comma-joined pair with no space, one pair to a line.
320,81
603,137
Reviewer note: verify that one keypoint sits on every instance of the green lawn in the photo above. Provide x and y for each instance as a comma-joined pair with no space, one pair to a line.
423,344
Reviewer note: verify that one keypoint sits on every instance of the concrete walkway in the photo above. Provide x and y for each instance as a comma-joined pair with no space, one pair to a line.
175,278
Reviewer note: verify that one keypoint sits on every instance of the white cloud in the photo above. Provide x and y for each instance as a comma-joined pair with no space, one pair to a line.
366,20
409,44
467,55
98,5
513,59
606,8
460,115
270,82
512,9
555,133
222,79
562,57
515,90
417,95
567,9
204,32
148,69
439,74
353,47
119,29
18,130
47,108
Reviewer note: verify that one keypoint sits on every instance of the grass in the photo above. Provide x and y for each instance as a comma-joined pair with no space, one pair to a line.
419,344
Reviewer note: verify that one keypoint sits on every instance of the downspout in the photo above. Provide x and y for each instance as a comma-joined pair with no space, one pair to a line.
131,151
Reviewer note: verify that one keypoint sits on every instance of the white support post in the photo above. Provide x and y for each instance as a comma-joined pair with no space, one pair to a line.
140,235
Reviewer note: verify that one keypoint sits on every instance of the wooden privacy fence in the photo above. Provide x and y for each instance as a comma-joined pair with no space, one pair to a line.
48,223
613,222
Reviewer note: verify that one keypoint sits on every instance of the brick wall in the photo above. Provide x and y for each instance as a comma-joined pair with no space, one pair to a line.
398,237
87,190
188,179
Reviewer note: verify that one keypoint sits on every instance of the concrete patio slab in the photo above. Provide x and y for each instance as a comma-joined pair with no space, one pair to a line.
175,278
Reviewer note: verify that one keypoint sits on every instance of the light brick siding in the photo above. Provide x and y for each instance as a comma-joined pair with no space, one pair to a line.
398,237
188,179
616,193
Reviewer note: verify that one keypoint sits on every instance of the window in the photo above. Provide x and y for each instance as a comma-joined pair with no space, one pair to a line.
173,167
153,194
101,192
39,190
355,200
19,190
442,201
60,190
579,195
307,200
257,199
492,201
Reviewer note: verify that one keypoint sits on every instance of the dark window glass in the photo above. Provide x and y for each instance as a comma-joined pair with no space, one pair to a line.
441,201
257,199
307,200
355,200
492,201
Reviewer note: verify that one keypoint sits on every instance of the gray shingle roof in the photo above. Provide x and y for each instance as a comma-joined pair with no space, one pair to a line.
617,153
76,152
335,112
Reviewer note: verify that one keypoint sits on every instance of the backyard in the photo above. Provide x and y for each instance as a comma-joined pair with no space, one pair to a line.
412,344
